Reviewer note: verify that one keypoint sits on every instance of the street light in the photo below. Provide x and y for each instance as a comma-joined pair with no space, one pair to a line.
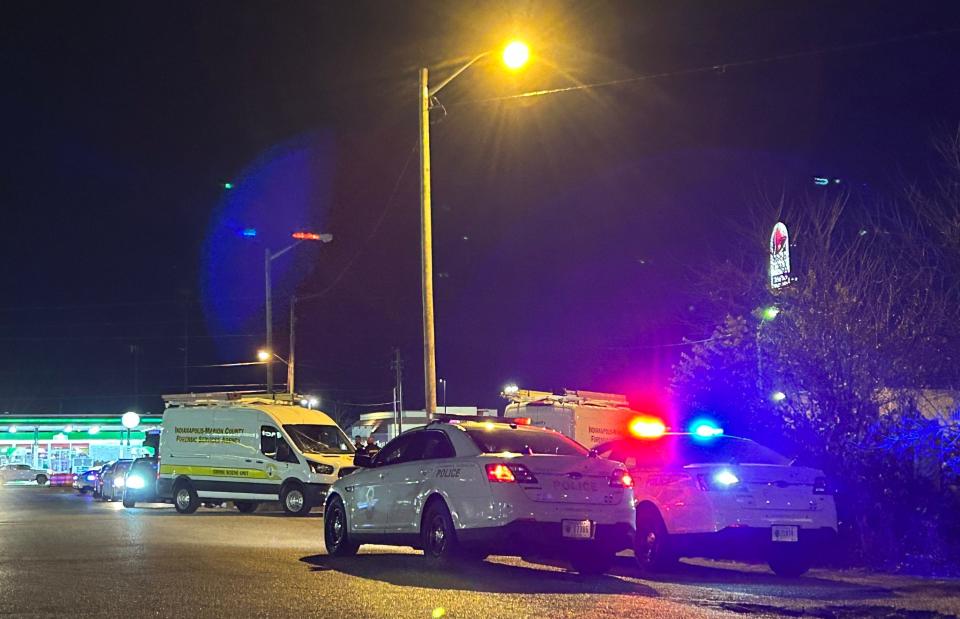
269,257
130,420
263,355
515,55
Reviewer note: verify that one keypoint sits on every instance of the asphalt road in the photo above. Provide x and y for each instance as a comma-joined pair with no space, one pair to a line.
63,554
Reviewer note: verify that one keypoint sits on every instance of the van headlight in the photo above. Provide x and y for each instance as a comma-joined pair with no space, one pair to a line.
118,482
135,482
319,468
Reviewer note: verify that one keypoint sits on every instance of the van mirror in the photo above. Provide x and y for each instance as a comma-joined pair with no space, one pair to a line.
363,459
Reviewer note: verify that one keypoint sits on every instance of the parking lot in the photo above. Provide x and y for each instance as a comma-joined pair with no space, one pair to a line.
61,552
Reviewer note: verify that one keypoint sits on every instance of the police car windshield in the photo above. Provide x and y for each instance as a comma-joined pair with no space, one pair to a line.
316,439
521,441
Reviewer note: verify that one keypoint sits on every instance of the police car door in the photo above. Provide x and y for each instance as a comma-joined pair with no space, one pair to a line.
396,464
370,488
414,477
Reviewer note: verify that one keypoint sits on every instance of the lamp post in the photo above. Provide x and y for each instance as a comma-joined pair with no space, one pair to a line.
269,257
515,55
130,420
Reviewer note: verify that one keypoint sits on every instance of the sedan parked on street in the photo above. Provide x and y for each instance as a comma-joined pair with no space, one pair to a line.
87,480
462,490
112,480
23,472
703,494
141,482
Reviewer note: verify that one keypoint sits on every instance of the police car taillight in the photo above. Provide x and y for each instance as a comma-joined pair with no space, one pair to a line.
510,473
621,479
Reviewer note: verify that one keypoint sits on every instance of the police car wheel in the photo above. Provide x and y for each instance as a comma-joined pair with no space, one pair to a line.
335,534
245,507
185,499
592,562
652,545
128,501
439,539
790,563
42,480
294,499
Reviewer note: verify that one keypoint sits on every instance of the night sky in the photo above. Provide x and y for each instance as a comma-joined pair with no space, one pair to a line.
567,226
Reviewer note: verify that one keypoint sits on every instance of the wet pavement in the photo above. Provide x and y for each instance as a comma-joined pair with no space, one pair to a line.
67,555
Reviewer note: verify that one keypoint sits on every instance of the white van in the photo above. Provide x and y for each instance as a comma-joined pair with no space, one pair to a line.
248,449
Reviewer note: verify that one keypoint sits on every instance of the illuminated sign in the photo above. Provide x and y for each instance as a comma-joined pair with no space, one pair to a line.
779,257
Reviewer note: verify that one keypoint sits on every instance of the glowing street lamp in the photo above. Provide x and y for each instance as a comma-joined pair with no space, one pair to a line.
778,396
268,257
263,355
130,420
514,55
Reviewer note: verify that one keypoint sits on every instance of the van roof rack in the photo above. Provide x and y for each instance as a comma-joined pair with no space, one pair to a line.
227,398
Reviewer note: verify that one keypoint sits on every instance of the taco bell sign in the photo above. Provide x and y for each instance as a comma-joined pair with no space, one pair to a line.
779,257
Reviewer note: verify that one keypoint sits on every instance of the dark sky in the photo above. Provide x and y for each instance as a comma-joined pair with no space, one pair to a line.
566,226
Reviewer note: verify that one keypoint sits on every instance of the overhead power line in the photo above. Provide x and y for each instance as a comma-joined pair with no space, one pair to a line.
716,67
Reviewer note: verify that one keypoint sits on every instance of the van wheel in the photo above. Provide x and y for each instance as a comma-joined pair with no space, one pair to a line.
438,537
293,497
245,507
42,480
335,534
128,501
652,545
185,498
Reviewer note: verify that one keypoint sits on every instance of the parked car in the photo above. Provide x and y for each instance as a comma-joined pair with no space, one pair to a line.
87,480
141,482
23,472
464,490
111,482
710,495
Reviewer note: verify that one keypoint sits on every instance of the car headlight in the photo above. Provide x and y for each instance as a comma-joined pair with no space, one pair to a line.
319,468
118,482
135,482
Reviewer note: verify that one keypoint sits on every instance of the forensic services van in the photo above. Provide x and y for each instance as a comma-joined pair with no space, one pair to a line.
588,417
248,449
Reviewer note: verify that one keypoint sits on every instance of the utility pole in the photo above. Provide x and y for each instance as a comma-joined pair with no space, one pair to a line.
135,351
269,313
291,362
397,367
186,342
426,252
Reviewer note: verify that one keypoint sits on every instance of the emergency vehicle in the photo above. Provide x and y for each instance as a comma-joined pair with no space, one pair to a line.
248,449
706,494
465,489
588,417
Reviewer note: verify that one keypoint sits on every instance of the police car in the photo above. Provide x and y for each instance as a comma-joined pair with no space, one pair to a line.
462,490
707,494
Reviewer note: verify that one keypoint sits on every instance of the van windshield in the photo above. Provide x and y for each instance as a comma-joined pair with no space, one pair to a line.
315,439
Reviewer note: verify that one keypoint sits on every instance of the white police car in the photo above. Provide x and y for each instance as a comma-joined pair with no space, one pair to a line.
709,495
467,489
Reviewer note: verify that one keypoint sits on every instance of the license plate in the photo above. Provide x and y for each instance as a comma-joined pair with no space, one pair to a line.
577,529
780,533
